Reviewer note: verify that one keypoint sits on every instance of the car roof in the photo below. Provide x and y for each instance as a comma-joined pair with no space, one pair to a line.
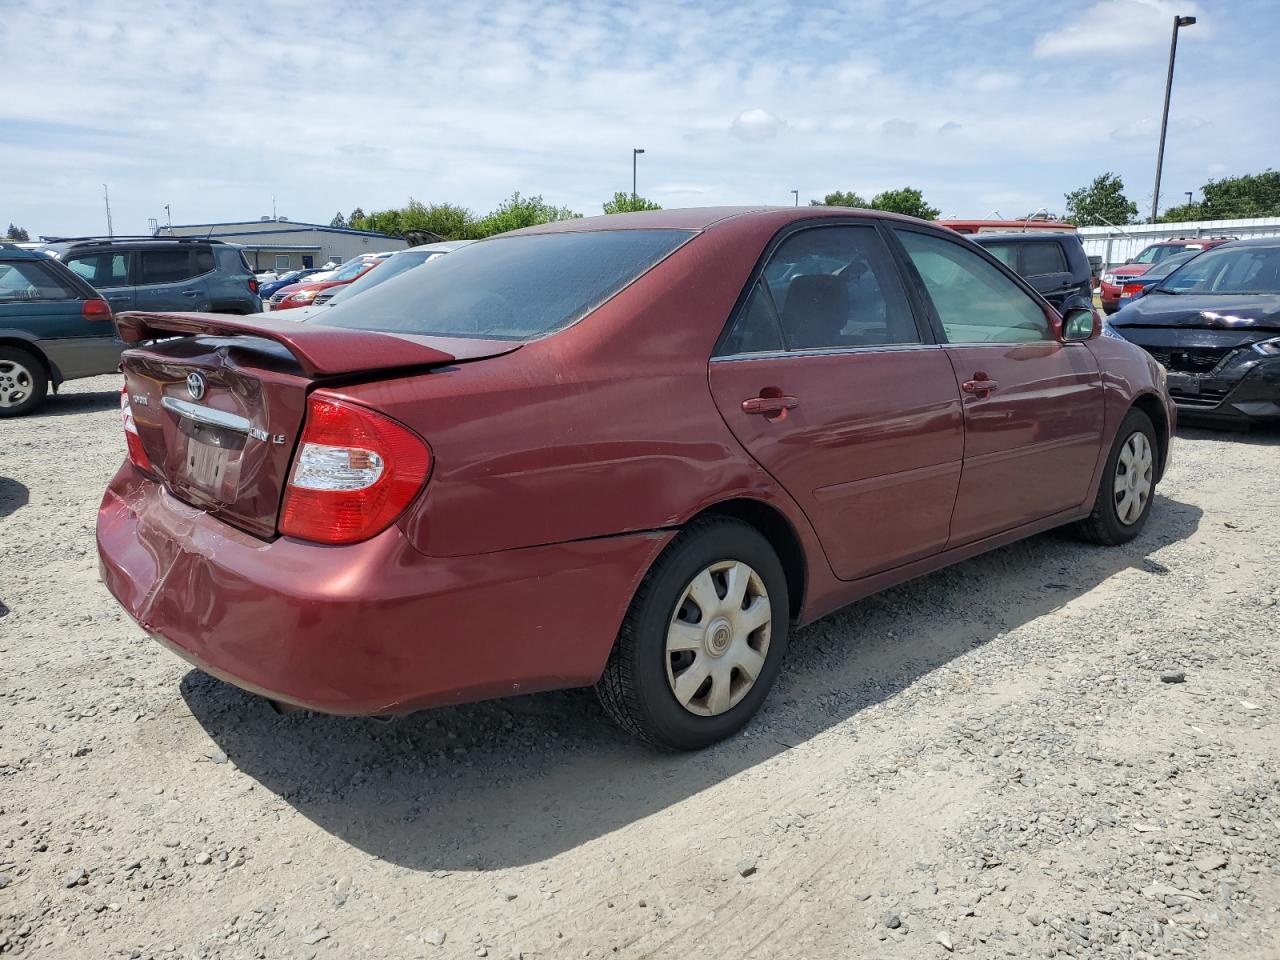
11,251
703,218
440,246
1255,242
1038,237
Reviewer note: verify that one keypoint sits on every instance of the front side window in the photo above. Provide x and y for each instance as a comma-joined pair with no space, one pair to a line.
1041,258
825,288
28,280
101,269
975,302
508,288
164,266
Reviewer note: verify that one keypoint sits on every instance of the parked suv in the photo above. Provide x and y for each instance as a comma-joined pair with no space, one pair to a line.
165,273
1054,263
1113,280
53,327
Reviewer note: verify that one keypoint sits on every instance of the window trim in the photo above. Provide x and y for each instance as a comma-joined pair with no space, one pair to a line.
917,288
288,262
928,337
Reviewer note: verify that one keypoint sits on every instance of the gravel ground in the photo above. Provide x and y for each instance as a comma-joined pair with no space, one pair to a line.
1052,750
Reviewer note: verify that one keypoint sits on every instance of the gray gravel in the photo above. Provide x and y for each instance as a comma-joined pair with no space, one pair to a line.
993,761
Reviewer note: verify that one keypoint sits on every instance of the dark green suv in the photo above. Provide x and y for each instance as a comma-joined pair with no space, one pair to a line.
53,327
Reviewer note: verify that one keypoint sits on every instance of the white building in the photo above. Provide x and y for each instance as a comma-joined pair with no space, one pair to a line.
283,244
1119,244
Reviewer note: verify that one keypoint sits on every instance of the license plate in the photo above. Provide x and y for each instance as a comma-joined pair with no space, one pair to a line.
209,466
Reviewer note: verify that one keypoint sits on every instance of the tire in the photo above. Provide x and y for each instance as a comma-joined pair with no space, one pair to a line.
1113,520
639,683
24,381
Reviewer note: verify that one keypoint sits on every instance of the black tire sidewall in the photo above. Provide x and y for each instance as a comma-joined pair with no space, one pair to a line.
1134,422
40,387
667,720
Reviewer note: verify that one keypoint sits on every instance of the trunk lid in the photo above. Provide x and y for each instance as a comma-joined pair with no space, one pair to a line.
219,411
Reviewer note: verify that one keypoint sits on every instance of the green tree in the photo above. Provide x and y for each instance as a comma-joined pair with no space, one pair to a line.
338,220
1100,203
17,234
623,203
1251,195
840,198
446,220
1182,213
516,212
356,219
908,201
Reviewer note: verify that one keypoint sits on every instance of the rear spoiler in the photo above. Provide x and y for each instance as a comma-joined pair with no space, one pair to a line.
321,351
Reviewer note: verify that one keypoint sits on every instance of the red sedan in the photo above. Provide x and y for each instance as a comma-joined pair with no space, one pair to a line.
634,451
304,294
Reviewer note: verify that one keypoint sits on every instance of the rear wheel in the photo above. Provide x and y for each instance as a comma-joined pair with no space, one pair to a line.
23,382
1128,484
703,640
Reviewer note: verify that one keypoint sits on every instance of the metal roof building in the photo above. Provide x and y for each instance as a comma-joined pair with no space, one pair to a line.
288,244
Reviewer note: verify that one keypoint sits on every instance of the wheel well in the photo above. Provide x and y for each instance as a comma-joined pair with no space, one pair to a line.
1153,408
777,529
36,352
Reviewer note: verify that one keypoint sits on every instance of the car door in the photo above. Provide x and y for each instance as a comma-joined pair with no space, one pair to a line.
1033,405
108,272
827,379
1044,265
166,280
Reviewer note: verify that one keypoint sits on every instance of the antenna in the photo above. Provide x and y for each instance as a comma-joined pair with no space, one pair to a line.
273,206
106,197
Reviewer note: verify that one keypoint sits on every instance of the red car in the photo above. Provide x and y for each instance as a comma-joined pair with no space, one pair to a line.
634,451
1111,288
304,294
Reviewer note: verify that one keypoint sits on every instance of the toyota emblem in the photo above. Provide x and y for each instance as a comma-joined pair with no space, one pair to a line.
195,385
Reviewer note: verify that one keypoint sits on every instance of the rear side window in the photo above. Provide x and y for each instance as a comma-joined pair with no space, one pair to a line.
975,302
508,288
1006,253
29,280
201,260
1041,258
101,269
164,266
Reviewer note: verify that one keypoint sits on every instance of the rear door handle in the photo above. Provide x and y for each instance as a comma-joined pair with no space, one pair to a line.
979,386
191,293
769,406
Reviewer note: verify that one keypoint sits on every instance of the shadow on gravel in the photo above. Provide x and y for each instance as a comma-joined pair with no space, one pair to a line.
516,781
13,496
1263,436
65,404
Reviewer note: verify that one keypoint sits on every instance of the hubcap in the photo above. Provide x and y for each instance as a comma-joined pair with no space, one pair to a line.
1134,479
718,638
15,383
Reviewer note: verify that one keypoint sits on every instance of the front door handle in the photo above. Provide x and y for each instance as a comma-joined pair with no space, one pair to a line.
980,386
769,406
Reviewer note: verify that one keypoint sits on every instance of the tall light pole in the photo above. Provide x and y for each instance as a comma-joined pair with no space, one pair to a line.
1188,198
635,152
796,193
106,198
169,217
1178,23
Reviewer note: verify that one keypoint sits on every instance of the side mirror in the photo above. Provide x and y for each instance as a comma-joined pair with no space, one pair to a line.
1130,260
1080,323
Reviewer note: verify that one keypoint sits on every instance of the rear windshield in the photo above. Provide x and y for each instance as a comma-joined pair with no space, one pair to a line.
508,288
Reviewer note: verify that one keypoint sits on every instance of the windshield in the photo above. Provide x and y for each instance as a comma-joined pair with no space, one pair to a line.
388,268
509,288
1168,265
350,270
1228,270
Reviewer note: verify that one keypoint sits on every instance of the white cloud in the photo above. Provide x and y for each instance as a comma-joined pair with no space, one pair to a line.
1113,26
756,125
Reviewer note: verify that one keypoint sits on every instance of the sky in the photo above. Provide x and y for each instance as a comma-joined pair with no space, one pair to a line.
985,105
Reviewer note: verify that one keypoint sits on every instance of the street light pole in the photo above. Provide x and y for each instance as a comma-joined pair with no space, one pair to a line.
1178,23
796,193
106,198
1188,198
635,152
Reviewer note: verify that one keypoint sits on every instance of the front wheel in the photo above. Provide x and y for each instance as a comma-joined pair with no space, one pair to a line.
703,640
23,382
1128,484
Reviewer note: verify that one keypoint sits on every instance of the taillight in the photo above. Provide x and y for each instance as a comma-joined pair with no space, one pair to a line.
253,285
354,473
1129,289
137,455
96,310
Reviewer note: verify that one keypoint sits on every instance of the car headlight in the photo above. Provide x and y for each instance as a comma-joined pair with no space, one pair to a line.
304,296
1109,278
1268,348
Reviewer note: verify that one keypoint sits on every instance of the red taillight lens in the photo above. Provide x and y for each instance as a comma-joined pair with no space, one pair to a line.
1129,289
253,285
137,455
354,473
96,310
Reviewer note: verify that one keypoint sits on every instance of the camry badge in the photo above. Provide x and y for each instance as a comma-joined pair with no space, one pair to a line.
195,385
